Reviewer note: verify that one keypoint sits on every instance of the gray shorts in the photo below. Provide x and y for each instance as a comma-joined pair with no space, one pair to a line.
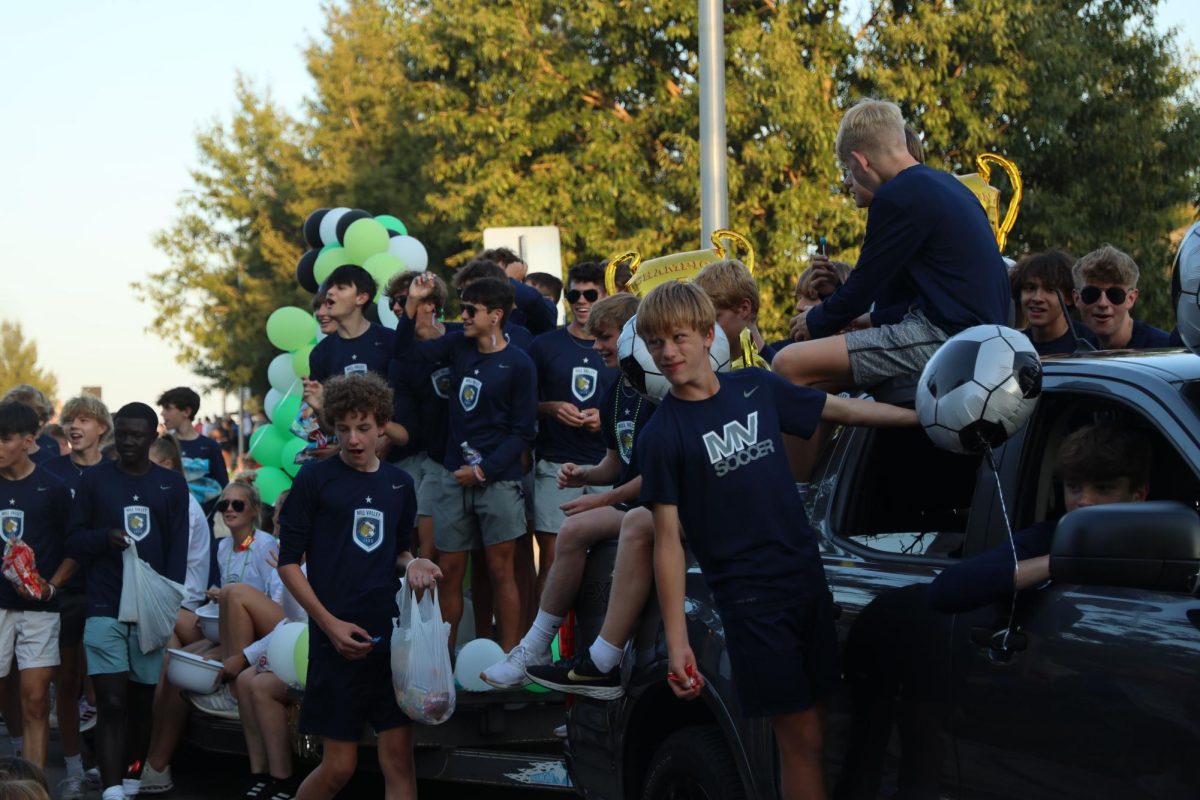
547,515
890,351
467,519
421,467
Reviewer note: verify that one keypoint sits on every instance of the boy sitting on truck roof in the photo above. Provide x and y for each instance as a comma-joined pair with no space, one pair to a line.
713,449
1098,464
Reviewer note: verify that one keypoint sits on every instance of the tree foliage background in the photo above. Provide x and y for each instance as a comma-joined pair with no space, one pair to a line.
462,116
18,362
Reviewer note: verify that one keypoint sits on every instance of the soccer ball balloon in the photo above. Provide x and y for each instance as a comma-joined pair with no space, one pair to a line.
979,388
638,368
1187,272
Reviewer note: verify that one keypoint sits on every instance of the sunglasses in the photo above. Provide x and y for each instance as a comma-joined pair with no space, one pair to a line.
398,299
237,505
591,295
1115,294
471,310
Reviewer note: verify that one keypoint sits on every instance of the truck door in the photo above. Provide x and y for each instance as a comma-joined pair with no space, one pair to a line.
1096,690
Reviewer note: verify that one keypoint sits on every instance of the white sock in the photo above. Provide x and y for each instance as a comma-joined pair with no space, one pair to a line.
113,793
18,745
542,632
604,655
74,766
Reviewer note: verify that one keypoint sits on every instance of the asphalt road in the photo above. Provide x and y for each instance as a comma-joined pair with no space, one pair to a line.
200,775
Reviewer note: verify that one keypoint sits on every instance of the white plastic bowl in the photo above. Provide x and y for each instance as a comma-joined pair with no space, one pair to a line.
209,615
191,672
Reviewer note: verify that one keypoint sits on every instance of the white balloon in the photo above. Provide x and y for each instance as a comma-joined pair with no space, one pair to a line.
280,374
270,401
474,658
329,224
386,318
281,652
411,252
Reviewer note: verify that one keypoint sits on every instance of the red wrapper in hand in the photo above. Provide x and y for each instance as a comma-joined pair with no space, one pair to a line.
20,567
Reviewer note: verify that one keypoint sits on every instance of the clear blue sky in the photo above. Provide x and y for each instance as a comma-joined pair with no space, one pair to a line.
102,103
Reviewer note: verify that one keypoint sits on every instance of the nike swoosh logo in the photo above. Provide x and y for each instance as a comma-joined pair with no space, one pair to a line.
505,366
575,676
752,391
397,485
164,488
43,488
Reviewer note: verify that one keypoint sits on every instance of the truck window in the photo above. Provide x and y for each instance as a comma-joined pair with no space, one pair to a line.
907,496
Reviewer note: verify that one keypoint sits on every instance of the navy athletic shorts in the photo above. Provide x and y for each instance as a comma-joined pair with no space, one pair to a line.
342,696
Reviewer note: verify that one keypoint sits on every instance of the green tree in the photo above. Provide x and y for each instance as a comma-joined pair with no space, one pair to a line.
19,362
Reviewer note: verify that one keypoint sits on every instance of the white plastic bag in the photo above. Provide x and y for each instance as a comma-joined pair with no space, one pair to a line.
148,599
421,673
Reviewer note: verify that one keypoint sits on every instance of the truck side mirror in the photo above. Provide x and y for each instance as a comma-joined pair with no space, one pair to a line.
1153,545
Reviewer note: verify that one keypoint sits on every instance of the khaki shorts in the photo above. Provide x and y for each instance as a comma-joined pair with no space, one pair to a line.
889,351
420,468
467,519
548,498
31,635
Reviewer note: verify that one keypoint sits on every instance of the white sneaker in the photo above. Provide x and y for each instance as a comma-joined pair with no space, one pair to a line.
71,788
131,787
510,673
91,778
87,715
220,703
155,782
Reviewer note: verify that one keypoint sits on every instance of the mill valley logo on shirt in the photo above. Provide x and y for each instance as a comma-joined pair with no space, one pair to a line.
368,528
12,523
358,368
468,393
625,431
583,383
441,382
736,446
137,522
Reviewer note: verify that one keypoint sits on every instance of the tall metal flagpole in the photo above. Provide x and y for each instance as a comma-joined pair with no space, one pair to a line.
714,185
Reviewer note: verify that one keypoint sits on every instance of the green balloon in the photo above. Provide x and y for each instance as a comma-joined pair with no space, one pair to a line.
364,238
300,654
329,260
382,266
392,224
300,361
288,453
285,414
267,448
271,482
290,328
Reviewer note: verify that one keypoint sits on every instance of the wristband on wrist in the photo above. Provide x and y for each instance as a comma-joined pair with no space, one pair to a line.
478,473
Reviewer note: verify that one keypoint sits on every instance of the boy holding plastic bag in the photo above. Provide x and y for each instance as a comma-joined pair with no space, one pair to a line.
131,500
353,516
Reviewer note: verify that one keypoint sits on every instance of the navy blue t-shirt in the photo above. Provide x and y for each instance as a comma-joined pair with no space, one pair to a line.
721,462
1147,337
925,226
44,455
151,509
532,310
70,474
623,417
405,378
570,371
493,399
513,333
352,525
370,351
1065,344
988,577
204,467
36,510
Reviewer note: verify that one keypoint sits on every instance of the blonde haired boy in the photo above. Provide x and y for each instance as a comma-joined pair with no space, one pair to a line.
1105,291
734,293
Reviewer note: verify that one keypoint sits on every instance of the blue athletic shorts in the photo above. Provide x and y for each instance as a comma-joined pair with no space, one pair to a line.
113,647
342,696
784,661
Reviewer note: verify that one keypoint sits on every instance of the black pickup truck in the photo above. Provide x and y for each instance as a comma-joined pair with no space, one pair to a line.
1093,691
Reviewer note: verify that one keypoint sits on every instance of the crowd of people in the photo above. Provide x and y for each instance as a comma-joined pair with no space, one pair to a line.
495,450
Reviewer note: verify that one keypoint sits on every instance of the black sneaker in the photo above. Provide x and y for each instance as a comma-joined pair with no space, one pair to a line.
256,787
578,675
284,788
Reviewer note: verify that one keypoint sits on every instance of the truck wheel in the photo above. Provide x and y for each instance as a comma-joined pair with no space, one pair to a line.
693,764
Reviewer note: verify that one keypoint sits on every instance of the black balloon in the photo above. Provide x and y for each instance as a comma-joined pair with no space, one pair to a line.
393,234
304,271
348,219
312,228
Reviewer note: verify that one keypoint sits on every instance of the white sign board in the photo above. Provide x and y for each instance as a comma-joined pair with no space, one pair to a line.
537,245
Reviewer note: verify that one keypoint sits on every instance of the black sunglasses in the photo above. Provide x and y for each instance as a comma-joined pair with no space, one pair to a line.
591,295
470,310
238,505
1115,294
398,299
